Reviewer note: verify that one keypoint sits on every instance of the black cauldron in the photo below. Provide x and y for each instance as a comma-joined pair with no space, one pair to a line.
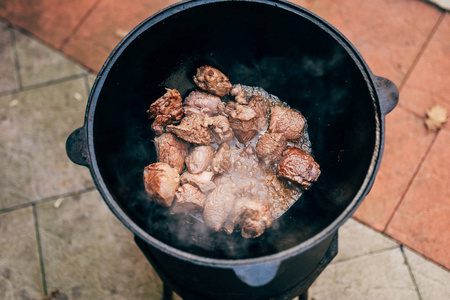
292,54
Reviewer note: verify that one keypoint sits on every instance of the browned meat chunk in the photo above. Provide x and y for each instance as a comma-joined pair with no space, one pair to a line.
203,180
248,150
199,158
243,122
192,129
221,161
212,80
224,109
201,103
270,147
188,199
261,109
161,181
220,129
298,166
235,215
218,205
171,150
238,94
255,219
251,215
166,110
287,121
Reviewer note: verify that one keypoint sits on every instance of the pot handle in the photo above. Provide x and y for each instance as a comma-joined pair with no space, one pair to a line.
76,147
257,275
387,93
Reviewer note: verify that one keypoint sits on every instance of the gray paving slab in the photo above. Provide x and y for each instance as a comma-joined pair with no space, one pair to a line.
8,74
89,254
357,239
20,271
34,126
382,275
91,79
432,280
38,63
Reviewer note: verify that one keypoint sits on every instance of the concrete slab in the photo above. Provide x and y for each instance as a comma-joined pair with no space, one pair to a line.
89,254
432,280
356,239
20,271
34,126
39,63
382,275
8,73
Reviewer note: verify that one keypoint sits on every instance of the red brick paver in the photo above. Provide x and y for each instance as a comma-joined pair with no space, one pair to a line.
407,142
429,83
422,221
389,34
106,26
51,21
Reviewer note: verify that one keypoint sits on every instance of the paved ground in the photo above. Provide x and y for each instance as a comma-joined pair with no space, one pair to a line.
56,232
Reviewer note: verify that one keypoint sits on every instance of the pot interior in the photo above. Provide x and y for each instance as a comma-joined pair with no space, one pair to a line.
255,44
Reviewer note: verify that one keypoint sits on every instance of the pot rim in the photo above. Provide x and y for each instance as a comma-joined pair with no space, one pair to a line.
284,254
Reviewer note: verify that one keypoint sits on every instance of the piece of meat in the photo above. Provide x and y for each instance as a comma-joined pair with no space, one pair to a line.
161,181
192,129
220,129
262,109
243,122
202,181
224,109
188,200
235,216
213,81
171,150
298,166
221,161
282,194
199,158
166,110
248,150
252,216
238,94
270,147
287,121
201,103
255,219
218,205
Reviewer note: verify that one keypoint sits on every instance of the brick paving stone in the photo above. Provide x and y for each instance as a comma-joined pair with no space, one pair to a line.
34,126
382,275
406,144
389,34
39,63
20,271
429,83
8,74
432,280
89,254
106,26
422,221
356,239
49,20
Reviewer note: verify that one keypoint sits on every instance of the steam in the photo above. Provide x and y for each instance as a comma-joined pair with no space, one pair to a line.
286,74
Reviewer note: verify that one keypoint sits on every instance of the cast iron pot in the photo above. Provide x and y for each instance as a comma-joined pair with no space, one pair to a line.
292,54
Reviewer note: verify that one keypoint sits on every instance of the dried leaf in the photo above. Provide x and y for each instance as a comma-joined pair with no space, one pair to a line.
436,117
53,294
